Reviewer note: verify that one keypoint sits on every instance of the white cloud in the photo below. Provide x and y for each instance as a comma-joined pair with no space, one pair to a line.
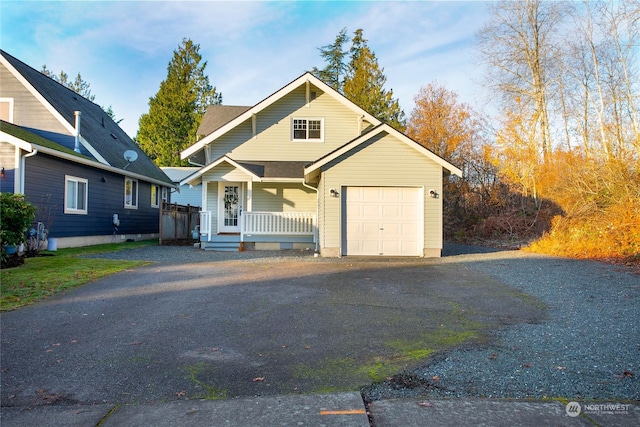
252,48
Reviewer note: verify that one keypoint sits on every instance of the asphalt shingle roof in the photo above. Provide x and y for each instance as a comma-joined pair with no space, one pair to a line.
275,169
96,127
217,116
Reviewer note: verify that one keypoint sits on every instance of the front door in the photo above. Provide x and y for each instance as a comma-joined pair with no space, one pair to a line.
229,207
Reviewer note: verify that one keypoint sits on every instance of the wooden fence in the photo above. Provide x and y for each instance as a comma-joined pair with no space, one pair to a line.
177,222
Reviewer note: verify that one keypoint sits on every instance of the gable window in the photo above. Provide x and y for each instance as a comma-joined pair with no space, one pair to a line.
76,191
307,129
155,196
131,193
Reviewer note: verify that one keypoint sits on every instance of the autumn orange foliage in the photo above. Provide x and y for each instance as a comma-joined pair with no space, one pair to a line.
601,203
568,202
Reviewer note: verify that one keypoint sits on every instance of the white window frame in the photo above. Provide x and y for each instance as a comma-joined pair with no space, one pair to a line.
132,204
307,119
74,209
155,201
165,194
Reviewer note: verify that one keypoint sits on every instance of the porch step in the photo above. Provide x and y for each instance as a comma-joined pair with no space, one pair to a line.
221,246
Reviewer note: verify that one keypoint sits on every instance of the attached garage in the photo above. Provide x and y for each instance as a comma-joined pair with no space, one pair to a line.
380,195
382,221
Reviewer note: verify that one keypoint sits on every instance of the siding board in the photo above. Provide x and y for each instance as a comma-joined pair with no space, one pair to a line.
276,197
45,183
7,161
273,125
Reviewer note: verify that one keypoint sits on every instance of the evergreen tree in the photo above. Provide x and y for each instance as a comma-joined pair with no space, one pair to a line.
364,84
334,54
78,85
176,110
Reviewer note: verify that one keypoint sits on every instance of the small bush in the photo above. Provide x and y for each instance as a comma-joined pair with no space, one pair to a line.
16,216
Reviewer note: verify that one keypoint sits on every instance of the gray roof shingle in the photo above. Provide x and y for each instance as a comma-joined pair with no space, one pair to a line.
96,127
217,116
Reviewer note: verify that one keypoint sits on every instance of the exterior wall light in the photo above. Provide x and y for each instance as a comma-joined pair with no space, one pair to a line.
333,192
434,194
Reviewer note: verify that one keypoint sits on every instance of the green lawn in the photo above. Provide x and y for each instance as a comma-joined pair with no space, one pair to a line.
53,272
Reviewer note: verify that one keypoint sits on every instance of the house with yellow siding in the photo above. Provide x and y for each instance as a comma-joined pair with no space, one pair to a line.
306,168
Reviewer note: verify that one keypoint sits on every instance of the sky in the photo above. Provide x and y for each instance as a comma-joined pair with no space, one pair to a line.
252,48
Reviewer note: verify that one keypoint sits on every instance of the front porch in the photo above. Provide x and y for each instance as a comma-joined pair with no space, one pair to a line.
262,231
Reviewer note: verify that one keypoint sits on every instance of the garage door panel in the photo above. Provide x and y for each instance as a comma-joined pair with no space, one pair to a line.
410,211
371,211
391,211
382,221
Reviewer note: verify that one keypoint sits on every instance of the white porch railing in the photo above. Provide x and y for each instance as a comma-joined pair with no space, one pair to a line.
278,223
267,223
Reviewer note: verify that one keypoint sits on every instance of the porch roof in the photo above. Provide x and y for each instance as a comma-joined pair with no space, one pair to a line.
257,170
276,169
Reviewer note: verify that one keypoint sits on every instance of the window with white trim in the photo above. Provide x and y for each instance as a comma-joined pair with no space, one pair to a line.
131,193
165,194
303,129
155,196
76,193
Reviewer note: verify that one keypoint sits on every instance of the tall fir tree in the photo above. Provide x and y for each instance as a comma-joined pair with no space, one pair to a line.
360,79
175,112
79,86
334,55
364,84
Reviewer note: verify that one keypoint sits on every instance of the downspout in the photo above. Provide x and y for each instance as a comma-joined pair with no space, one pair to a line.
316,237
22,167
194,163
76,148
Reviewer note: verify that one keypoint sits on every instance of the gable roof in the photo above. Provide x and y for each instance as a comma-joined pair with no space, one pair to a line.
381,128
217,116
25,139
101,138
178,173
306,78
34,143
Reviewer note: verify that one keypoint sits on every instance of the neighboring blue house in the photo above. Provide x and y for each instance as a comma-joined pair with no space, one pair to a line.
91,183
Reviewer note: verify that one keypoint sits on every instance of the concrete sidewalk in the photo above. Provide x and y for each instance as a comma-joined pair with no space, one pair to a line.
339,409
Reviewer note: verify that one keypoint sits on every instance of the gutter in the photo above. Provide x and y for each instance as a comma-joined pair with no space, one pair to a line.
76,147
23,165
98,165
194,163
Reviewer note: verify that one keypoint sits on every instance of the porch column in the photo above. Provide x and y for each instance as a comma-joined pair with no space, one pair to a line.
249,206
205,190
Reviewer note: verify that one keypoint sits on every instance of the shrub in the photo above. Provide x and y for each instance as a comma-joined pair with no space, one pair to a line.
16,216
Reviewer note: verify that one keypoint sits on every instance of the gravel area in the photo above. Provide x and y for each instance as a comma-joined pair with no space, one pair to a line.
588,347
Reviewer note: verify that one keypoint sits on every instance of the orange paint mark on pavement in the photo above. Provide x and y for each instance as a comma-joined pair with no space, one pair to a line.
346,412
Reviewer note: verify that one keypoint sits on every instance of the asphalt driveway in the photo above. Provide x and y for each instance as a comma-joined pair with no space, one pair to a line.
245,325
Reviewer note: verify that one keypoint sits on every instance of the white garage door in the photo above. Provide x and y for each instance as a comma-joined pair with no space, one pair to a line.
382,221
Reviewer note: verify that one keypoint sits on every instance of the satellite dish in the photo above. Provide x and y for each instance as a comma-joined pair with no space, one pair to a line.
130,156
